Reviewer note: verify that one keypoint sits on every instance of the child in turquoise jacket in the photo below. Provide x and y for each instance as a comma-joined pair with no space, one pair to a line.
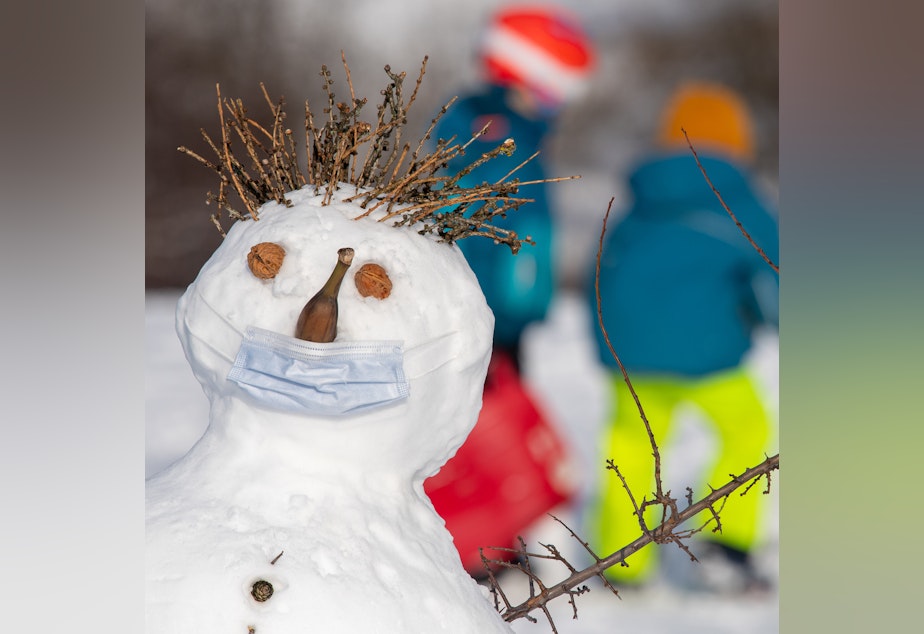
682,293
535,59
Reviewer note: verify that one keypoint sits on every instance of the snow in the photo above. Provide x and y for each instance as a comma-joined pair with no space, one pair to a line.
344,506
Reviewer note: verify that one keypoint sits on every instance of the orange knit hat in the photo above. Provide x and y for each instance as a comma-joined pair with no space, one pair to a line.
714,117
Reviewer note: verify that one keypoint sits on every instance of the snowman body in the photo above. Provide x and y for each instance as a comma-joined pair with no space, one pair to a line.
326,510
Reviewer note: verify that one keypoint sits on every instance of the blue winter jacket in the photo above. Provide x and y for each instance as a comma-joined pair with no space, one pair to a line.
681,288
518,288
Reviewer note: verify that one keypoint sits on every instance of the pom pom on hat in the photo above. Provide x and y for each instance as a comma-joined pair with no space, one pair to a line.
540,48
715,118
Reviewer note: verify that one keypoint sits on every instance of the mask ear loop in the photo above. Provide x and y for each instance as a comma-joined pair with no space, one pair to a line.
430,355
228,326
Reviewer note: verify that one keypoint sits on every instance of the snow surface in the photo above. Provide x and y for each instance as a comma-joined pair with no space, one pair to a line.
561,367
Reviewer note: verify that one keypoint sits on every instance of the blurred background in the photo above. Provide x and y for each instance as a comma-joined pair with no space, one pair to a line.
644,47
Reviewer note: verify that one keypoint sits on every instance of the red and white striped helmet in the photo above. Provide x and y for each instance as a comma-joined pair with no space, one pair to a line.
539,47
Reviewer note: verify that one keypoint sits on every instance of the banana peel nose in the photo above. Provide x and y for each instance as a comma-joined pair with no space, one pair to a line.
318,320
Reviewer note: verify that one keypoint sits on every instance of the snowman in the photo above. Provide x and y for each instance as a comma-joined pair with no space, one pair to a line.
302,508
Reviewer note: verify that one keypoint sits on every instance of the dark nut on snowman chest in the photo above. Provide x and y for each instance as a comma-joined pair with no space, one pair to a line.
261,590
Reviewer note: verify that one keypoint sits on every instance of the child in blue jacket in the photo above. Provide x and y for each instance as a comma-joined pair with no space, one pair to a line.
682,292
535,59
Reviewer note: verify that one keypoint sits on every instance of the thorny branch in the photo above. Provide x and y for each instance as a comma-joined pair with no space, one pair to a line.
406,187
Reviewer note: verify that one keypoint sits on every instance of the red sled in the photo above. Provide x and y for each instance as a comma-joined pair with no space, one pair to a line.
512,469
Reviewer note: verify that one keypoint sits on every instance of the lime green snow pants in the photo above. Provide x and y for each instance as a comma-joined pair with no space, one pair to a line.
730,402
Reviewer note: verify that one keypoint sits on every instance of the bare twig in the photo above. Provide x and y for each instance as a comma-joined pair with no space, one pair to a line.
726,208
625,374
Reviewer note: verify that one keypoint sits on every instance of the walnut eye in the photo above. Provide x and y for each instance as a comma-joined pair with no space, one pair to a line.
372,281
265,259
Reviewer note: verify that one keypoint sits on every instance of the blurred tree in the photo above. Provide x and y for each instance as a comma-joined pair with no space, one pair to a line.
191,46
188,49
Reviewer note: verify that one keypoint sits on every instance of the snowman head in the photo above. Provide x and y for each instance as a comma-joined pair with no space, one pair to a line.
435,312
435,309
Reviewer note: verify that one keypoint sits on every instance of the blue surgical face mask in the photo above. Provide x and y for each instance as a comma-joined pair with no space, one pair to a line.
330,379
326,379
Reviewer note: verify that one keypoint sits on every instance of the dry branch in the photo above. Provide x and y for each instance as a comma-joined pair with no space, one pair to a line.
659,494
725,206
260,163
665,532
